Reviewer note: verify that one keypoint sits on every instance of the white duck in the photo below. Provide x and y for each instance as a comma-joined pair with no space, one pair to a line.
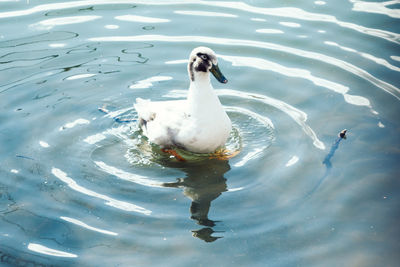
198,124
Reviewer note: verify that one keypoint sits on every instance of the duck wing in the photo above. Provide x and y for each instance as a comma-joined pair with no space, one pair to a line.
161,121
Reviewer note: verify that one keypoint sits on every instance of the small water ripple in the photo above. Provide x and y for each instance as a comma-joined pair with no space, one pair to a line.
86,226
373,58
39,38
377,7
109,201
28,79
297,115
135,18
204,13
50,251
127,176
49,24
21,59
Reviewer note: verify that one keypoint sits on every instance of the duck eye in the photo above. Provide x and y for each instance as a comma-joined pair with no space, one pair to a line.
204,57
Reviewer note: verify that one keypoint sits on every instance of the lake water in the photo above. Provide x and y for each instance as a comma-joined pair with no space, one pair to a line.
80,185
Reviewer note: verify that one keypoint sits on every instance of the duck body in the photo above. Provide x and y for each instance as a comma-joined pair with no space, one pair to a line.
199,123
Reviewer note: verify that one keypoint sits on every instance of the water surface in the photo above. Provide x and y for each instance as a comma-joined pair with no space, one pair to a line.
81,186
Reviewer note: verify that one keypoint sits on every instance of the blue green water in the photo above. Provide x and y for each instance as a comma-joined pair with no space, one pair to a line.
80,185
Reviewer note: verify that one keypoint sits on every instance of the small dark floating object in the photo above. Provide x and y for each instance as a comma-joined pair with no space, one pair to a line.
342,134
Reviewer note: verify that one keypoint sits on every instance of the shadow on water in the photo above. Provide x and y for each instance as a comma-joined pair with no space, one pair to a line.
327,161
204,182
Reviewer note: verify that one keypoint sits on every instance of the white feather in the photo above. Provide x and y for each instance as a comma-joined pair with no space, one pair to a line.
198,124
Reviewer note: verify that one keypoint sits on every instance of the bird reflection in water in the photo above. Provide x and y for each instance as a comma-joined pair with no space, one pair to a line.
203,183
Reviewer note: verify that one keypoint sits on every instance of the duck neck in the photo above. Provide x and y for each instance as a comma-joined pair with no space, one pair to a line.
201,97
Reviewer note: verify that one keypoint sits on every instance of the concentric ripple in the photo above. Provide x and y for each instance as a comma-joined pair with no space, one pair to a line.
249,131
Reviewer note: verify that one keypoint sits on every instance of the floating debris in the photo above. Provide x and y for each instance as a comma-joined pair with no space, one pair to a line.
342,134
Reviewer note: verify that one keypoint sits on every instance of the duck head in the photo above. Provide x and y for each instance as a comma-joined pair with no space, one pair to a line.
202,61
